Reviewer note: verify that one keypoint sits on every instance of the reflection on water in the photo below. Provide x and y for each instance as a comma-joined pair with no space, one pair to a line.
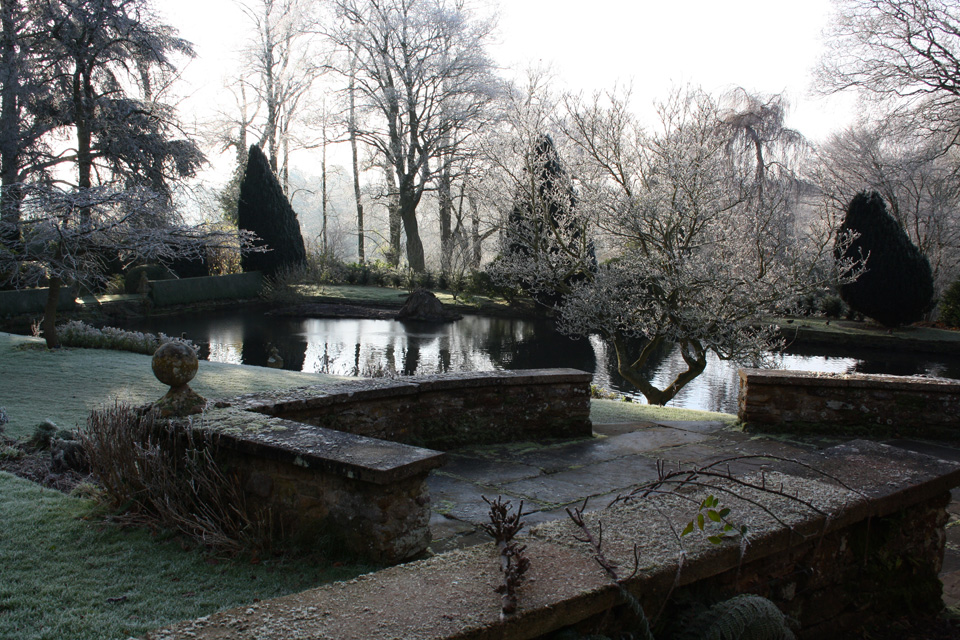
477,343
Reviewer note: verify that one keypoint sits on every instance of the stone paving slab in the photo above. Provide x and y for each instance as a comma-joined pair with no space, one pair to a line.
697,426
488,472
574,485
610,448
460,499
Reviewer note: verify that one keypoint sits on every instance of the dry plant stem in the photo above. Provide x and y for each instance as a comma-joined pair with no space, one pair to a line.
504,525
596,543
161,474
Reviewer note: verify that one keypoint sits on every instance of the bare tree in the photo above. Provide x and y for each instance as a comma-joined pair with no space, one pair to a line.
920,184
903,51
61,226
282,65
676,217
421,74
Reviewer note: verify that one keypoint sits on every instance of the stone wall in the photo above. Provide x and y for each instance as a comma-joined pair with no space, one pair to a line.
445,411
22,301
850,403
870,547
311,483
347,461
237,286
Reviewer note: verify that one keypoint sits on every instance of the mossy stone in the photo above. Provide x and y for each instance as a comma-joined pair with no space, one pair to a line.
175,364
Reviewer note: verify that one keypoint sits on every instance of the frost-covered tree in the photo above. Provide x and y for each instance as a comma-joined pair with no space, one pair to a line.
896,287
59,228
421,75
25,96
675,222
111,59
262,209
905,53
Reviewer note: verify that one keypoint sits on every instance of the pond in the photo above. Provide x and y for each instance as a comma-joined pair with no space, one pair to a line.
479,343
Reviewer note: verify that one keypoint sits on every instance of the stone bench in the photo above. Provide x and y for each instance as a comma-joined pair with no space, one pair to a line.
876,405
349,459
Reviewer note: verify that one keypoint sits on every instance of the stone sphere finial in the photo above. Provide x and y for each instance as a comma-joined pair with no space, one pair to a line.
175,364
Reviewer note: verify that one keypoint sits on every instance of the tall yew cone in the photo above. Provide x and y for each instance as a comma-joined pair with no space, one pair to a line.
897,286
263,209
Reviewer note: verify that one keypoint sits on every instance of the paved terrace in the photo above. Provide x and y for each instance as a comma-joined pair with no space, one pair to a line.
548,478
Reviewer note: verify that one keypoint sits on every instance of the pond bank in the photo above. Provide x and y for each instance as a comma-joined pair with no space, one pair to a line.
844,333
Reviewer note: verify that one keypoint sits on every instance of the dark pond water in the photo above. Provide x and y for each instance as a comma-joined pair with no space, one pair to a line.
477,343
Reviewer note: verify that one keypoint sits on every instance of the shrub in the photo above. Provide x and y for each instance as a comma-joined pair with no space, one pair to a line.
950,305
897,286
163,473
78,334
264,210
831,306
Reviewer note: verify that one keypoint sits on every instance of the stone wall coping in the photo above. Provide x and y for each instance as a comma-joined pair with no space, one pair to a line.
856,380
308,446
288,401
480,379
355,391
451,596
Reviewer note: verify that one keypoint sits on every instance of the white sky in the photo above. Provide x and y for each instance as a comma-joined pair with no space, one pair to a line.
766,46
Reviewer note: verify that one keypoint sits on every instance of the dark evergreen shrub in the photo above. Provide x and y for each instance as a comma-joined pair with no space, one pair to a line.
547,210
264,210
897,287
196,268
950,305
831,306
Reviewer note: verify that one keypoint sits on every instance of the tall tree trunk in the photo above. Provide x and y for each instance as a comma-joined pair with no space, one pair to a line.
393,211
476,240
408,214
356,165
446,217
323,189
50,314
11,193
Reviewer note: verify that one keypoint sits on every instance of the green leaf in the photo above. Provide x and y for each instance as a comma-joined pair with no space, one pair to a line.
727,527
713,515
724,512
688,529
715,539
700,521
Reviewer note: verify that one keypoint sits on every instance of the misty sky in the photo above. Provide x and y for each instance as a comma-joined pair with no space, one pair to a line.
766,46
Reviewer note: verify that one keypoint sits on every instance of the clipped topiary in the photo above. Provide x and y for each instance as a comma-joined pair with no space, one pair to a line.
897,285
264,210
950,305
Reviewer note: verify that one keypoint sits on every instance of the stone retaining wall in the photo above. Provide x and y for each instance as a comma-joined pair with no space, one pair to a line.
176,291
368,495
339,460
870,548
22,301
773,400
444,411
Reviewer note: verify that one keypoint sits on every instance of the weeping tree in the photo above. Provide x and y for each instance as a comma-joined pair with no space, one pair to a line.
692,256
263,210
896,287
